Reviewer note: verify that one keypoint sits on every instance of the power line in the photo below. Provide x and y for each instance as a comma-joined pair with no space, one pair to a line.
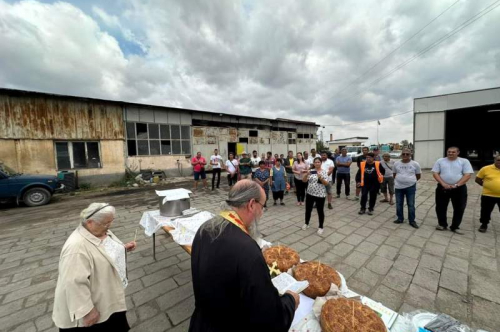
366,121
426,49
393,51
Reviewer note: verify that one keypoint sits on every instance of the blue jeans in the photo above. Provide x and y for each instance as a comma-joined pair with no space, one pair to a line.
410,200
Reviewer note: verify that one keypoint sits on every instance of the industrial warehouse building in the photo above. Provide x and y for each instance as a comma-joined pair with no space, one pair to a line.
469,120
44,133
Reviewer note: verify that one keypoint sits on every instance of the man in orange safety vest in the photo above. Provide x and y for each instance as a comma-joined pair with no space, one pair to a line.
369,177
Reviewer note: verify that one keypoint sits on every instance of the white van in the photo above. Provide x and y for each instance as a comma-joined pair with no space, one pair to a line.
354,152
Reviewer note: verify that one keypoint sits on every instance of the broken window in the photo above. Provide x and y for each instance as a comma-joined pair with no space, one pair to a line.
157,139
71,155
253,133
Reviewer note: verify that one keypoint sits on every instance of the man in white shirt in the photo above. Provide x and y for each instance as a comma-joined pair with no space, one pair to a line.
232,170
310,159
406,174
452,174
328,166
216,162
255,160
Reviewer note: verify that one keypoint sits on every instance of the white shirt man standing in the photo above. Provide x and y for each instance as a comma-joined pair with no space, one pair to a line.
452,174
255,160
216,162
406,174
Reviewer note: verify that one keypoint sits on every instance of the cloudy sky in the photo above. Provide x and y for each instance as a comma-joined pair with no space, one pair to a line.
307,60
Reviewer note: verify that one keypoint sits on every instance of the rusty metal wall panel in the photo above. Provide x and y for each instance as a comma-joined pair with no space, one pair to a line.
55,118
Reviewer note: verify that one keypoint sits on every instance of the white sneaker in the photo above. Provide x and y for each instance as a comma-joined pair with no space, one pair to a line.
305,227
320,231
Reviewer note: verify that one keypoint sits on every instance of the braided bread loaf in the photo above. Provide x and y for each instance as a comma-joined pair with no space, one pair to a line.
346,315
320,277
284,257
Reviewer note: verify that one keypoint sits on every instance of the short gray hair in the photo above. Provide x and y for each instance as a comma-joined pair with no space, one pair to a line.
238,197
97,212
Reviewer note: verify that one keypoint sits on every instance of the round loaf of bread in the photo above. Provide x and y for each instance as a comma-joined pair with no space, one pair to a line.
285,257
349,315
320,277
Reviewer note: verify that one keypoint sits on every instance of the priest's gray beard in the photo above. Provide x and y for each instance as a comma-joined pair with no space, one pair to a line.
254,230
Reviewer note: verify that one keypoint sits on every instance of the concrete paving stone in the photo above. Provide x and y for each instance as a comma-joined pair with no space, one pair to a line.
387,252
455,263
290,239
335,238
435,249
406,308
366,276
424,232
484,283
145,261
397,280
363,231
346,230
14,319
168,252
152,292
147,311
379,265
160,275
420,298
427,279
134,286
44,322
383,231
452,304
389,297
14,286
330,259
136,274
49,254
36,298
354,239
175,296
406,264
342,249
320,248
486,314
308,255
184,266
402,233
36,271
131,316
458,250
356,259
181,311
30,290
6,266
373,225
183,278
377,239
367,248
159,323
26,327
183,256
345,269
416,241
431,262
10,308
182,327
311,240
299,246
485,262
359,287
410,251
154,266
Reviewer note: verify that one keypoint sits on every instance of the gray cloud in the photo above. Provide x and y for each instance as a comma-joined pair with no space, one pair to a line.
259,57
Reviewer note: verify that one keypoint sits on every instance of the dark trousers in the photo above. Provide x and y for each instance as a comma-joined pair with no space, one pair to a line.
232,179
278,195
487,205
372,190
116,322
458,197
410,200
346,177
320,207
215,173
300,188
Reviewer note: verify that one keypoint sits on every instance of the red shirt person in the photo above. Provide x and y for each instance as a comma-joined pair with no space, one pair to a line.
198,163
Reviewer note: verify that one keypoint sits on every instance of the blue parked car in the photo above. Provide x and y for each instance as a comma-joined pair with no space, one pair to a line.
33,190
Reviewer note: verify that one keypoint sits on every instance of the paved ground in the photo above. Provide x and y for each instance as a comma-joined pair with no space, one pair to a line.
402,267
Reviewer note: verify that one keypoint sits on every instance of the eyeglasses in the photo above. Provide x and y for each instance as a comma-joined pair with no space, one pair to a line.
405,154
262,205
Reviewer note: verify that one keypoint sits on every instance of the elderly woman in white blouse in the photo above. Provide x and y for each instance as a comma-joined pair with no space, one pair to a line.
90,291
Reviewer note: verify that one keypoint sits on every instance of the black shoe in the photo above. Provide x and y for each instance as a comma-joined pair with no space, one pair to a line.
414,225
370,212
330,206
483,228
456,231
338,196
398,221
441,228
282,203
362,211
275,203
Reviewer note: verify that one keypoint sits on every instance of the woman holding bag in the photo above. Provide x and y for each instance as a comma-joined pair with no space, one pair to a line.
278,182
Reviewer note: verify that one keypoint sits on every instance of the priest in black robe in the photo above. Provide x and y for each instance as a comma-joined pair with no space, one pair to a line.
231,280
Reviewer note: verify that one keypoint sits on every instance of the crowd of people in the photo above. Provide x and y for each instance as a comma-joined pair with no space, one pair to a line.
312,176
